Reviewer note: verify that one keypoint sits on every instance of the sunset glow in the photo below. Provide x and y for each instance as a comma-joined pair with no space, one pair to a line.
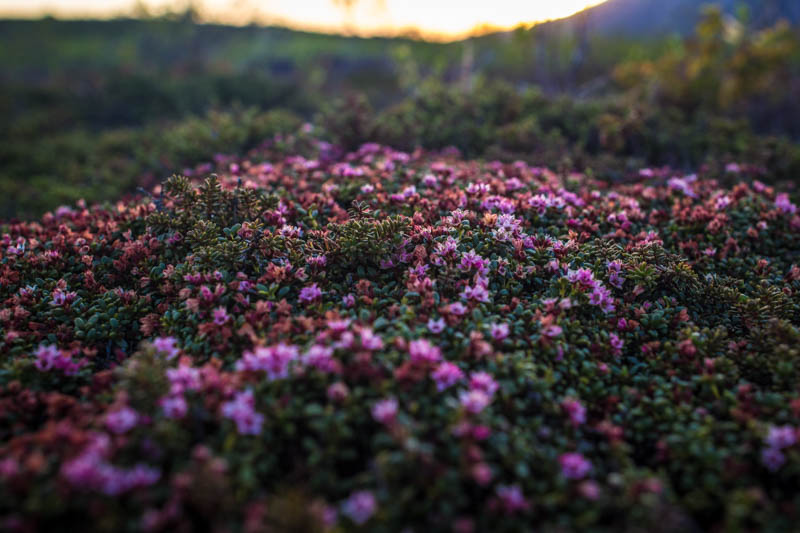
439,19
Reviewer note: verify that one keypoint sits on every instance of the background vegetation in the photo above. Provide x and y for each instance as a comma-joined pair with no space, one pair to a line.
93,109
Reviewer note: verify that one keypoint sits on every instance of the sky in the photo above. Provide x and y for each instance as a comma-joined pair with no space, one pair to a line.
440,19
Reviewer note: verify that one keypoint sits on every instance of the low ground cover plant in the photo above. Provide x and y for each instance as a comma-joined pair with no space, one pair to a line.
395,341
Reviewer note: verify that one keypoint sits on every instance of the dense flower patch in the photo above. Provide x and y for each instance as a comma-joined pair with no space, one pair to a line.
388,340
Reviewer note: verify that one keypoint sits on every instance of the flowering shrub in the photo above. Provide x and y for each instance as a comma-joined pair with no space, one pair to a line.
389,340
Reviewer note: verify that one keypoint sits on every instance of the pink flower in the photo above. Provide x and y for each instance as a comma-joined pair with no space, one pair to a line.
446,375
576,411
422,351
481,473
772,458
783,203
574,465
348,300
589,489
359,507
167,346
274,360
477,293
310,294
511,498
474,401
242,411
122,420
457,308
436,326
338,392
183,378
220,316
484,382
385,411
46,357
781,437
174,406
499,331
320,357
552,331
616,343
370,341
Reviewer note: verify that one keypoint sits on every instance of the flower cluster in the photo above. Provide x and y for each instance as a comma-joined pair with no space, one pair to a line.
404,341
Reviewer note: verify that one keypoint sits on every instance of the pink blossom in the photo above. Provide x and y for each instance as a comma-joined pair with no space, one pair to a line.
783,203
385,411
511,498
772,458
310,294
274,360
481,473
182,378
576,411
167,346
242,411
446,375
436,326
551,331
338,392
220,316
174,406
370,341
320,357
422,351
499,330
781,437
574,465
484,382
360,507
616,343
457,308
122,420
474,401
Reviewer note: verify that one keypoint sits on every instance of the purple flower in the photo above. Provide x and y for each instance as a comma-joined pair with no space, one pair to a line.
422,351
574,465
370,341
182,378
220,316
310,294
167,346
446,375
359,507
242,411
499,330
385,411
783,203
781,437
457,308
511,498
616,343
772,458
576,411
122,420
47,357
349,300
320,357
484,382
274,360
174,406
551,331
474,401
436,326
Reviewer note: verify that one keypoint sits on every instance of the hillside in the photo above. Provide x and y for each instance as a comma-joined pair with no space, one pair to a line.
648,18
